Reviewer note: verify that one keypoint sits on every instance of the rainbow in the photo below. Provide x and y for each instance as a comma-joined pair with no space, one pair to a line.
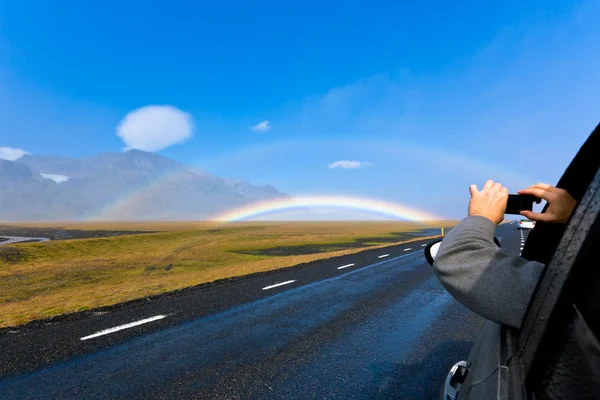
128,202
393,210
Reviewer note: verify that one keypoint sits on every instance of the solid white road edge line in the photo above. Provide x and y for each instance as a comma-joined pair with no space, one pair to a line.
121,327
346,266
383,256
278,284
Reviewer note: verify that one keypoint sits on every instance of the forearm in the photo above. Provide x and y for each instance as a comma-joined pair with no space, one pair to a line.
490,281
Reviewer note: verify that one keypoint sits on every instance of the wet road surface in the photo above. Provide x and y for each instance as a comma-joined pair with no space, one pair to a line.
20,239
380,328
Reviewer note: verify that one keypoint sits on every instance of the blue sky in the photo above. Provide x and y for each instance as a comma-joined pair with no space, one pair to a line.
430,96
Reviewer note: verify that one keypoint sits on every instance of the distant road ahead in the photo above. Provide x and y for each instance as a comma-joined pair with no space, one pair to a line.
17,239
371,325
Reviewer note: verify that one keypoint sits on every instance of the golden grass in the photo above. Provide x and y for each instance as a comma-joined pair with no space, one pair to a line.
65,276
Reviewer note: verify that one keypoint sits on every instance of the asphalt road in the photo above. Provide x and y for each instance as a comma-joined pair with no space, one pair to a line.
18,239
371,325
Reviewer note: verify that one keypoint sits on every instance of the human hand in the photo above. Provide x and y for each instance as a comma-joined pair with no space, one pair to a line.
490,202
560,203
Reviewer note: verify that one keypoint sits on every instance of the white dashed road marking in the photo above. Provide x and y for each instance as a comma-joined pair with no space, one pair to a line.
346,266
383,256
121,327
423,245
407,249
278,284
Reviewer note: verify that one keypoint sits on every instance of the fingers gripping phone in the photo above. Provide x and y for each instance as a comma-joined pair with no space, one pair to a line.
520,202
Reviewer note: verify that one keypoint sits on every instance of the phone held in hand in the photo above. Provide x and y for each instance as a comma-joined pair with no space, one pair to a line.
519,202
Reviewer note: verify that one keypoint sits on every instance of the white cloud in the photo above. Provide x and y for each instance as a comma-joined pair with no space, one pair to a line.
8,153
154,128
262,127
55,177
350,164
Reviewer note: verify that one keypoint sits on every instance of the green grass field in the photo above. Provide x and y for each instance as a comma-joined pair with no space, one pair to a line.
40,280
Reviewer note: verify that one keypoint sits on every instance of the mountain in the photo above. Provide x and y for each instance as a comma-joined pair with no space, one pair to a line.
134,185
25,195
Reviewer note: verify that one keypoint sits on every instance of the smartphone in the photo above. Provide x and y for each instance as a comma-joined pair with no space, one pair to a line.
519,202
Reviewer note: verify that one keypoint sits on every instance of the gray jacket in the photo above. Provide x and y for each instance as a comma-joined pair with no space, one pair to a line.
492,282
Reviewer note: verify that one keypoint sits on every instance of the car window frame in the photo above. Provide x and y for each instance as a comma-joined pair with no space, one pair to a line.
556,274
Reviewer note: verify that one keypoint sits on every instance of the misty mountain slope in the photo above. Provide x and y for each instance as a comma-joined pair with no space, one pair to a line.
24,195
71,167
134,185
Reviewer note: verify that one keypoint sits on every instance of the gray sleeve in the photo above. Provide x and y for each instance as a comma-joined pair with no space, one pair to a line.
489,280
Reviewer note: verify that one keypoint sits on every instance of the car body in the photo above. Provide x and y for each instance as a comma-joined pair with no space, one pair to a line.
556,352
526,224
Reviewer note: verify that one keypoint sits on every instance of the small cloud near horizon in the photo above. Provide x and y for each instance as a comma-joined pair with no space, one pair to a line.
154,128
261,127
345,164
12,154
